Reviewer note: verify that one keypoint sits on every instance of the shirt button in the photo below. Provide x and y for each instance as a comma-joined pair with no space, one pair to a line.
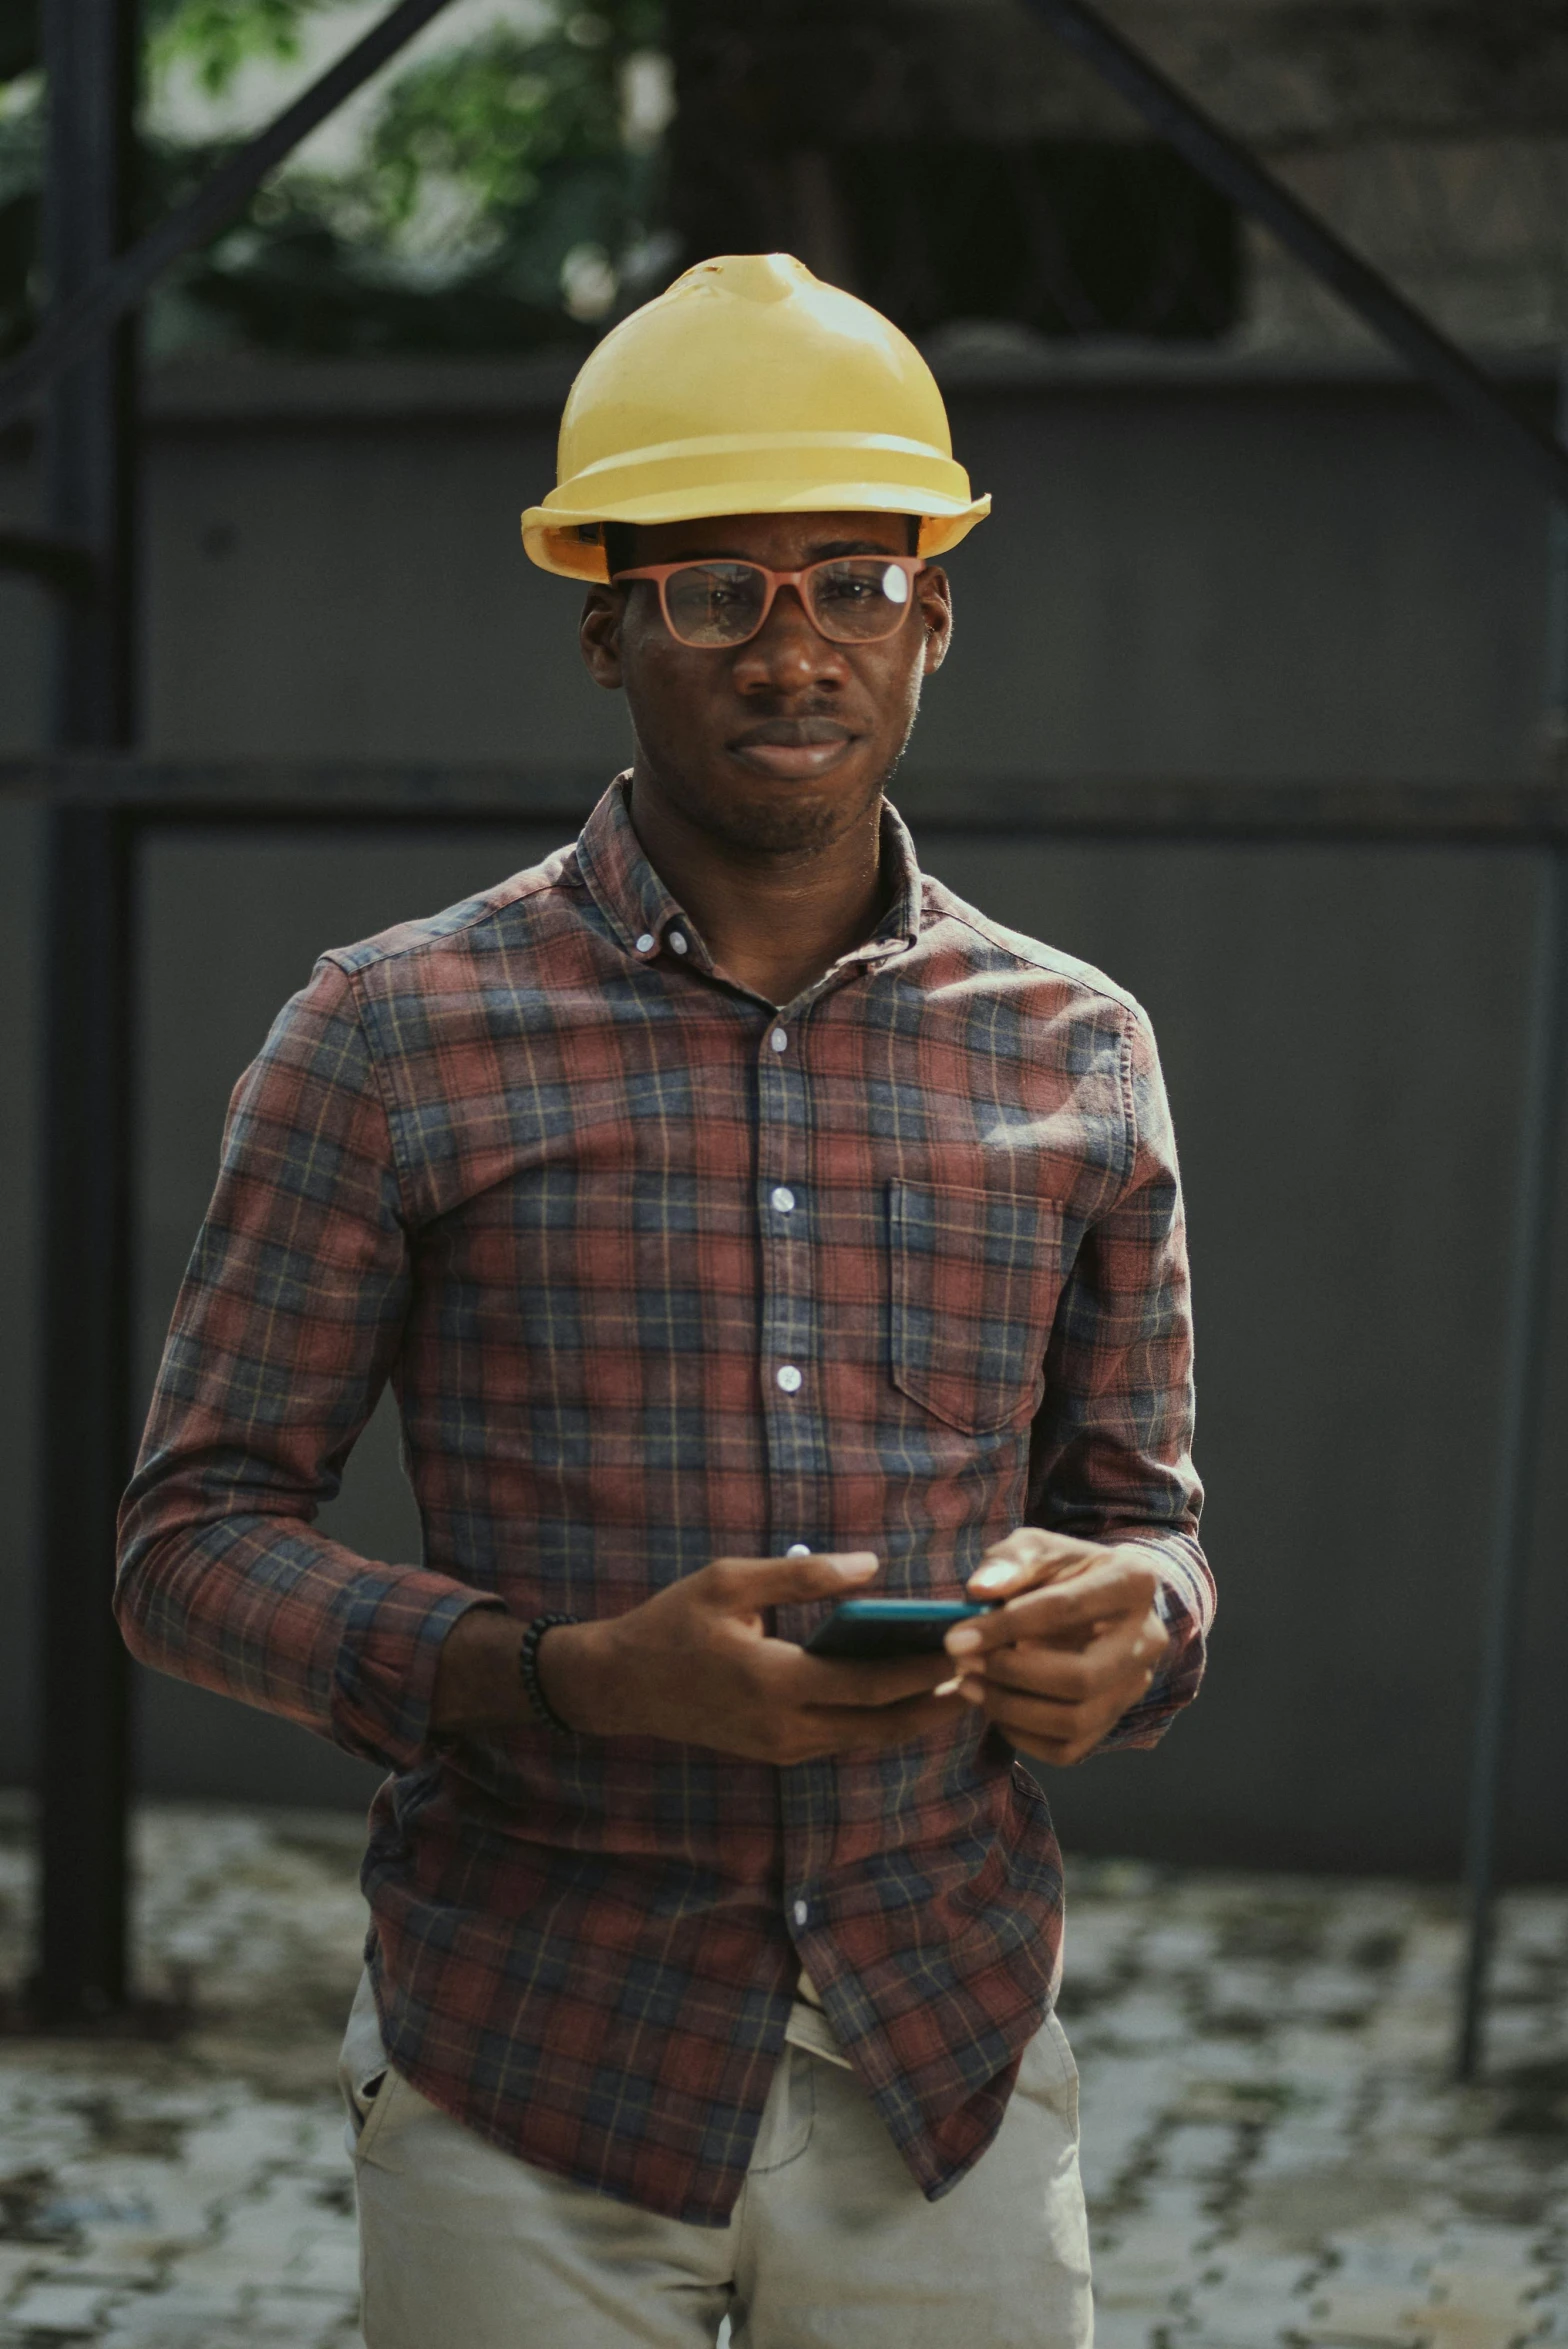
798,1550
678,941
645,943
783,1199
802,1912
779,1040
789,1378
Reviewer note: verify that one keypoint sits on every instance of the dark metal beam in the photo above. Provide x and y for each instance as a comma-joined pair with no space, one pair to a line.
1184,125
85,1432
1519,1446
114,292
85,357
1525,1347
1509,816
89,439
90,49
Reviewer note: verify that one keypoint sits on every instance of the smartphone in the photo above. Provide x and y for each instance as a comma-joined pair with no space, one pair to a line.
889,1627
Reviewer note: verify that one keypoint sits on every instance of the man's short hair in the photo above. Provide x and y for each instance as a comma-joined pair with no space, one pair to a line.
620,543
620,546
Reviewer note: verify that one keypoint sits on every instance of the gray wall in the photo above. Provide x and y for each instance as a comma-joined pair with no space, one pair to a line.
1264,580
1190,571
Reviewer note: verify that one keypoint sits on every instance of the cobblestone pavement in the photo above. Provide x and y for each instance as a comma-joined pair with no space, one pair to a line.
1272,2151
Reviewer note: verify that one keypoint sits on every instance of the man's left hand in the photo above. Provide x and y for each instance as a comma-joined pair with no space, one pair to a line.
1074,1643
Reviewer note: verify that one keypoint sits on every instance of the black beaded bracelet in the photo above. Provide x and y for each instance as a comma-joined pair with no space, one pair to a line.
528,1664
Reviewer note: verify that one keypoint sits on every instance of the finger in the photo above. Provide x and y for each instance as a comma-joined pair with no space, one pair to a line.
739,1586
1118,1587
861,1683
1019,1711
1060,1752
1038,1718
1035,1671
1126,1655
1028,1556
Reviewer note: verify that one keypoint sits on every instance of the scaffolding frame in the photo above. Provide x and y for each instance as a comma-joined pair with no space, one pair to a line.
82,364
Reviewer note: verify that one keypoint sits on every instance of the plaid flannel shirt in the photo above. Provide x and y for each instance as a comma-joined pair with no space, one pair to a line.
590,1207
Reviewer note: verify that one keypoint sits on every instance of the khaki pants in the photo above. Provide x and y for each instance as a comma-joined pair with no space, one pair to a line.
831,2245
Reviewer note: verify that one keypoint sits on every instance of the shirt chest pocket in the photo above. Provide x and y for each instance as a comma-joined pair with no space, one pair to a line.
974,1277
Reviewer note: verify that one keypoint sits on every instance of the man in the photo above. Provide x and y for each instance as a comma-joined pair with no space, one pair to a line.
742,1221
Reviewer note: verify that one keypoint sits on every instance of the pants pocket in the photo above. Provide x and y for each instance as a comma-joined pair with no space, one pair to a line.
1049,2073
369,2106
364,2073
361,2100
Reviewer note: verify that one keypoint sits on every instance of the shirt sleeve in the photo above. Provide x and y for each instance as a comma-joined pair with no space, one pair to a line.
287,1327
1111,1450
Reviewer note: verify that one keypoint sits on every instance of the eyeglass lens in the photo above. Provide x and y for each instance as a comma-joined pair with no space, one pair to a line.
854,600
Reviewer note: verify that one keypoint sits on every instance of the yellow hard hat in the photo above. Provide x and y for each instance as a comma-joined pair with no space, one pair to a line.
840,415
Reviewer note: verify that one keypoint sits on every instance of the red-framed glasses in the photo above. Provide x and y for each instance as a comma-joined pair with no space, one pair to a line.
719,603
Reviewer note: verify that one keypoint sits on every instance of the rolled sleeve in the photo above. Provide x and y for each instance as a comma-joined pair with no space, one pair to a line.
285,1332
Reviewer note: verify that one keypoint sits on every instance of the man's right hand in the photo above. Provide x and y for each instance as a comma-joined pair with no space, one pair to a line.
695,1664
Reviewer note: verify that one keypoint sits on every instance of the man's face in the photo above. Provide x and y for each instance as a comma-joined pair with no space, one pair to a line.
784,743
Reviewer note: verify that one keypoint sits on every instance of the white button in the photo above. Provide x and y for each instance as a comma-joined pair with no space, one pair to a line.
783,1199
789,1379
779,1041
802,1912
798,1550
678,941
645,943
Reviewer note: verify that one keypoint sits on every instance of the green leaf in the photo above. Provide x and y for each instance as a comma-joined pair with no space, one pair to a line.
217,37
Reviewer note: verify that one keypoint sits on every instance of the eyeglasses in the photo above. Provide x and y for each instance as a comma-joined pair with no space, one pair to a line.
851,599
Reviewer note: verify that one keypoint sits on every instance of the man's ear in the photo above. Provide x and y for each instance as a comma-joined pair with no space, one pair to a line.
599,635
935,596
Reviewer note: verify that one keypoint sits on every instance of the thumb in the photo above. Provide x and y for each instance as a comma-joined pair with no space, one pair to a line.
737,1586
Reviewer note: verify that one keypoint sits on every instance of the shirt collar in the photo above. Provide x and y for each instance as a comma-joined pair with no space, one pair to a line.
625,887
643,914
900,925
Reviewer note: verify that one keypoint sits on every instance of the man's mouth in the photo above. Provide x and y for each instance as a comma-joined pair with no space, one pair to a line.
792,747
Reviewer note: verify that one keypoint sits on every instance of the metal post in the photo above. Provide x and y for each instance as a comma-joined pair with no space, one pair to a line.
89,459
1524,1366
84,1758
1524,1370
90,417
78,324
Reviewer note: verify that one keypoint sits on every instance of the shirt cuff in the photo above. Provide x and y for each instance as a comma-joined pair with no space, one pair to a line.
1184,1602
384,1680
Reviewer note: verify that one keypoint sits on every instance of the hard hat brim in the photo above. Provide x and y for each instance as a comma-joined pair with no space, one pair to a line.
552,533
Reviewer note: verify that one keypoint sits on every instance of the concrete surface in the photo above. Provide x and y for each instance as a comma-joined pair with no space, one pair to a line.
1273,2151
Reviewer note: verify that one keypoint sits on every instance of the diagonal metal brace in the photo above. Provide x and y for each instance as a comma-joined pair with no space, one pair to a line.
1227,165
77,324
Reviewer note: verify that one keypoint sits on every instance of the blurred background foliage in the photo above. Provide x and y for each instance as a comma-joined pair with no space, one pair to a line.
497,189
21,168
523,175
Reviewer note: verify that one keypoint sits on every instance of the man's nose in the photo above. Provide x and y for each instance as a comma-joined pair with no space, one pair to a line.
788,653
